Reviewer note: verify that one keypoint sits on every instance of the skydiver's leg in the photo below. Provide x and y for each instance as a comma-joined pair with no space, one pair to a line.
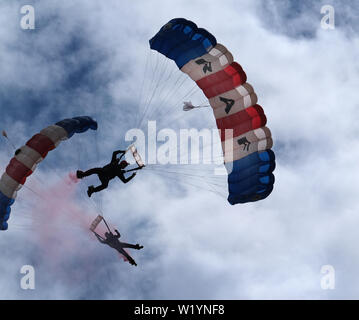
92,189
104,184
80,174
92,171
128,257
132,246
101,187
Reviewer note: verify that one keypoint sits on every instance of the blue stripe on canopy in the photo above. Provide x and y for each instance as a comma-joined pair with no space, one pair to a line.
181,40
5,209
77,125
250,178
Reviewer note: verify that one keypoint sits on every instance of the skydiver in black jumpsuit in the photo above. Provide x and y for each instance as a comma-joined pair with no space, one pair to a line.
113,242
114,169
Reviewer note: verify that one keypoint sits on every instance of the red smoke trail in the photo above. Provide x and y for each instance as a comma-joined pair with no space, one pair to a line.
61,223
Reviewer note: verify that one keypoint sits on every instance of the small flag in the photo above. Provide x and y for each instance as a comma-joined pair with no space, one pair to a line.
4,133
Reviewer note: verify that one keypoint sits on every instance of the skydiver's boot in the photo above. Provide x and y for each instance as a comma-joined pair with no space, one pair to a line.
79,174
133,262
138,247
90,191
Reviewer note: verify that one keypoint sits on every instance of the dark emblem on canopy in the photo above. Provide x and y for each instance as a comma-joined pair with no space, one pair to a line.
207,65
229,104
243,141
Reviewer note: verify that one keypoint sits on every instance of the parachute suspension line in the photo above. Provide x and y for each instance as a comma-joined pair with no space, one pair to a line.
184,155
182,115
205,103
22,227
4,134
172,73
151,85
34,192
212,185
79,155
19,226
148,85
174,119
187,106
98,160
98,116
198,177
79,165
97,205
108,228
163,81
170,95
146,89
139,100
188,168
212,144
153,93
81,123
188,93
192,171
203,173
97,147
174,89
92,203
40,181
164,86
159,84
188,183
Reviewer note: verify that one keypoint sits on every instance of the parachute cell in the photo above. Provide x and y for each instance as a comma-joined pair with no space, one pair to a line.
132,148
95,223
246,141
28,156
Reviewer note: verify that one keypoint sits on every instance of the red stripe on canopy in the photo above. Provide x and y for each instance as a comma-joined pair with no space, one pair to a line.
41,144
18,171
243,121
223,81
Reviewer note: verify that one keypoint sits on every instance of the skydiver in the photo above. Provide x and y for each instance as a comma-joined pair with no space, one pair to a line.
114,169
114,242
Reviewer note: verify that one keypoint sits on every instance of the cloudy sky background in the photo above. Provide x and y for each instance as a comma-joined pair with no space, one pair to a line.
89,58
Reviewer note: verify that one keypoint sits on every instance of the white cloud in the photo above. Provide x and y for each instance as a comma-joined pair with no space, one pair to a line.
196,245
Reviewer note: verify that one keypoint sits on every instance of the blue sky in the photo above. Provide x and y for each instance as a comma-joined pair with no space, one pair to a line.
89,58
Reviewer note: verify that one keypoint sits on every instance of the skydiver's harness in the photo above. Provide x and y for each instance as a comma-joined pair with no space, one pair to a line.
132,148
111,170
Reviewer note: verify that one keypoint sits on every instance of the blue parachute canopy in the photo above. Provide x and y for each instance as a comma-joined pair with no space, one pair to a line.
181,40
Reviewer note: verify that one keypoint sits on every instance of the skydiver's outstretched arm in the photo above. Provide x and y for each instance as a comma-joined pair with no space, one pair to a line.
132,246
118,235
138,168
125,180
115,153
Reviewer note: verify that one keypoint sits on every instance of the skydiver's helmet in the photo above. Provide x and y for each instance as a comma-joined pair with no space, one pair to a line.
123,164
